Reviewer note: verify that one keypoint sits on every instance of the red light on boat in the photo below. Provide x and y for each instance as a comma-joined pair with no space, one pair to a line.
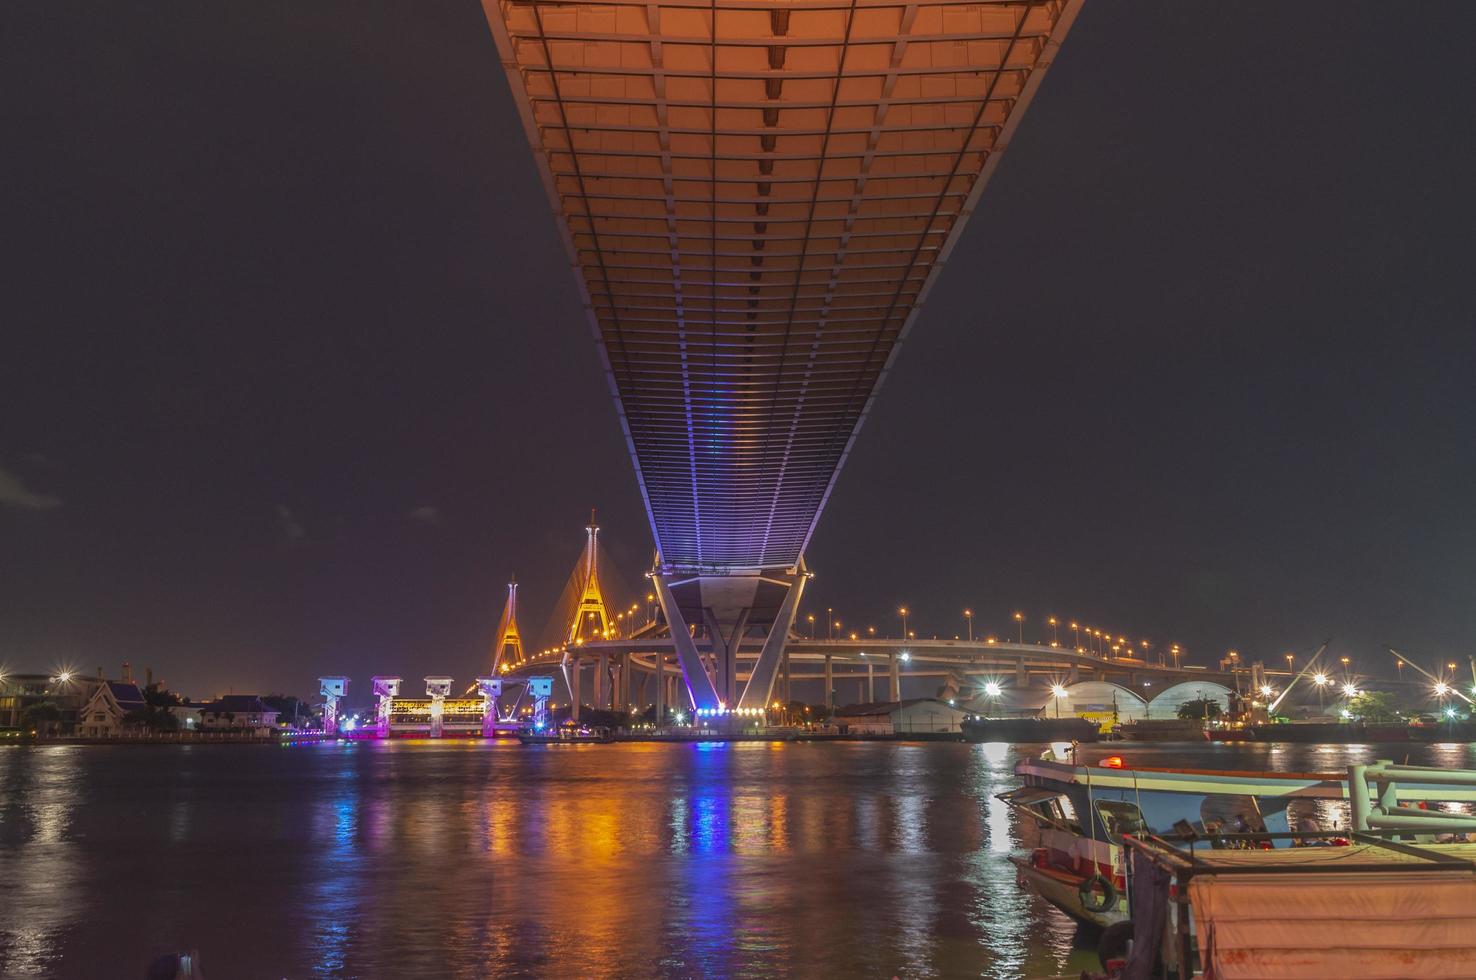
1112,762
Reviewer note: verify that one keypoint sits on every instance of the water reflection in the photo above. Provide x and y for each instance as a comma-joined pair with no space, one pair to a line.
39,792
467,859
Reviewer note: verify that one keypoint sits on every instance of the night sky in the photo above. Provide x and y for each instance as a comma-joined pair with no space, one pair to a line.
294,374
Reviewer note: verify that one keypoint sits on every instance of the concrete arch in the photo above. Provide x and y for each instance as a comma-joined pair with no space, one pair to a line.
1165,703
1098,700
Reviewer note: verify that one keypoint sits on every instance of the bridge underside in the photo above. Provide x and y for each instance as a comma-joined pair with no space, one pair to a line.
756,196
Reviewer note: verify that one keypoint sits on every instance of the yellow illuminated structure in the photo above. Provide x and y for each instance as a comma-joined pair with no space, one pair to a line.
508,652
591,621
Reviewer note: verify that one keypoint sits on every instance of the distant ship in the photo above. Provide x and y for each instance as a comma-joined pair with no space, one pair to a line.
1029,730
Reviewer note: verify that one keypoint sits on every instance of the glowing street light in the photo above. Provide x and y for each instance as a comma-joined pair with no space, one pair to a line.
969,618
1321,680
1441,689
1059,693
991,689
1055,638
1019,618
1265,690
1075,634
902,611
1350,690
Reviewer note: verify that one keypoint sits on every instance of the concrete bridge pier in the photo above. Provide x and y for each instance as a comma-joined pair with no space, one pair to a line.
659,697
623,688
894,678
829,685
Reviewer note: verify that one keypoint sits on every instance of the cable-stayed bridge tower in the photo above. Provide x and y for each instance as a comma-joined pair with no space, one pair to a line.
591,619
508,651
757,196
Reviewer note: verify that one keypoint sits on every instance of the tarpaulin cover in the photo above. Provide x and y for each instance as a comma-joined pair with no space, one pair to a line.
1409,923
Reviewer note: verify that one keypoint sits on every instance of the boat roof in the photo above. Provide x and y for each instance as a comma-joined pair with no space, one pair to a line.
1142,779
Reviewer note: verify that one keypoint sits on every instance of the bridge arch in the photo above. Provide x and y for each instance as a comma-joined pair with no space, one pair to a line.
1099,700
1165,703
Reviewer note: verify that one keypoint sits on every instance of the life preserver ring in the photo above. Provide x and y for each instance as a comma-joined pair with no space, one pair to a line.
1090,900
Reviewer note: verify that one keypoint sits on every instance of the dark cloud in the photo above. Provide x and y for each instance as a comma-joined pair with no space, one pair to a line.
14,493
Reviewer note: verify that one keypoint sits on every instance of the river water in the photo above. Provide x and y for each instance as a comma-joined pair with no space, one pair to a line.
471,859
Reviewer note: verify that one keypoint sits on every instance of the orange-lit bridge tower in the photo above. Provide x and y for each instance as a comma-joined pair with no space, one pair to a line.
757,196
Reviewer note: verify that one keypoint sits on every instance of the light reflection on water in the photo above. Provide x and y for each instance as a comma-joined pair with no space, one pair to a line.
467,859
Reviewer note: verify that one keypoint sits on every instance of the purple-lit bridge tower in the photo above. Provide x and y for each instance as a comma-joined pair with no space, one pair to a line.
756,197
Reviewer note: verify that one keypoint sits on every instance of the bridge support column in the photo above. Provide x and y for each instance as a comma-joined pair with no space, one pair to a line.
623,688
602,681
829,686
894,679
659,698
870,683
725,654
1022,676
760,686
700,689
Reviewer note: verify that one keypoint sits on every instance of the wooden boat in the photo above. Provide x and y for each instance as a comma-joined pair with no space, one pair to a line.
1083,814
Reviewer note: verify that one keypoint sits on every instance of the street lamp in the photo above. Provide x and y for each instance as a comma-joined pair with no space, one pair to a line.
1289,658
1055,637
991,689
811,618
1076,635
902,611
1173,649
969,618
1321,680
829,615
1020,626
1058,692
1350,690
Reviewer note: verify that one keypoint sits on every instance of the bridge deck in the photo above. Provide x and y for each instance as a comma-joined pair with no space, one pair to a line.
757,196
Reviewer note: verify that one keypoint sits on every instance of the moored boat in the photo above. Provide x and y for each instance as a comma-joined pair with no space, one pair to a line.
1083,814
565,735
1029,730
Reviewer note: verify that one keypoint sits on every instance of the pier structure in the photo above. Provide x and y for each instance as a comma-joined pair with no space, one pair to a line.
386,690
491,690
540,689
333,690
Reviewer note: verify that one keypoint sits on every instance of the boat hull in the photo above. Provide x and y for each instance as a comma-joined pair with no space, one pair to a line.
1063,890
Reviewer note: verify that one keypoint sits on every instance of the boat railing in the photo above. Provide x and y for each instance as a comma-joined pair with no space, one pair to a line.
1178,853
1373,795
